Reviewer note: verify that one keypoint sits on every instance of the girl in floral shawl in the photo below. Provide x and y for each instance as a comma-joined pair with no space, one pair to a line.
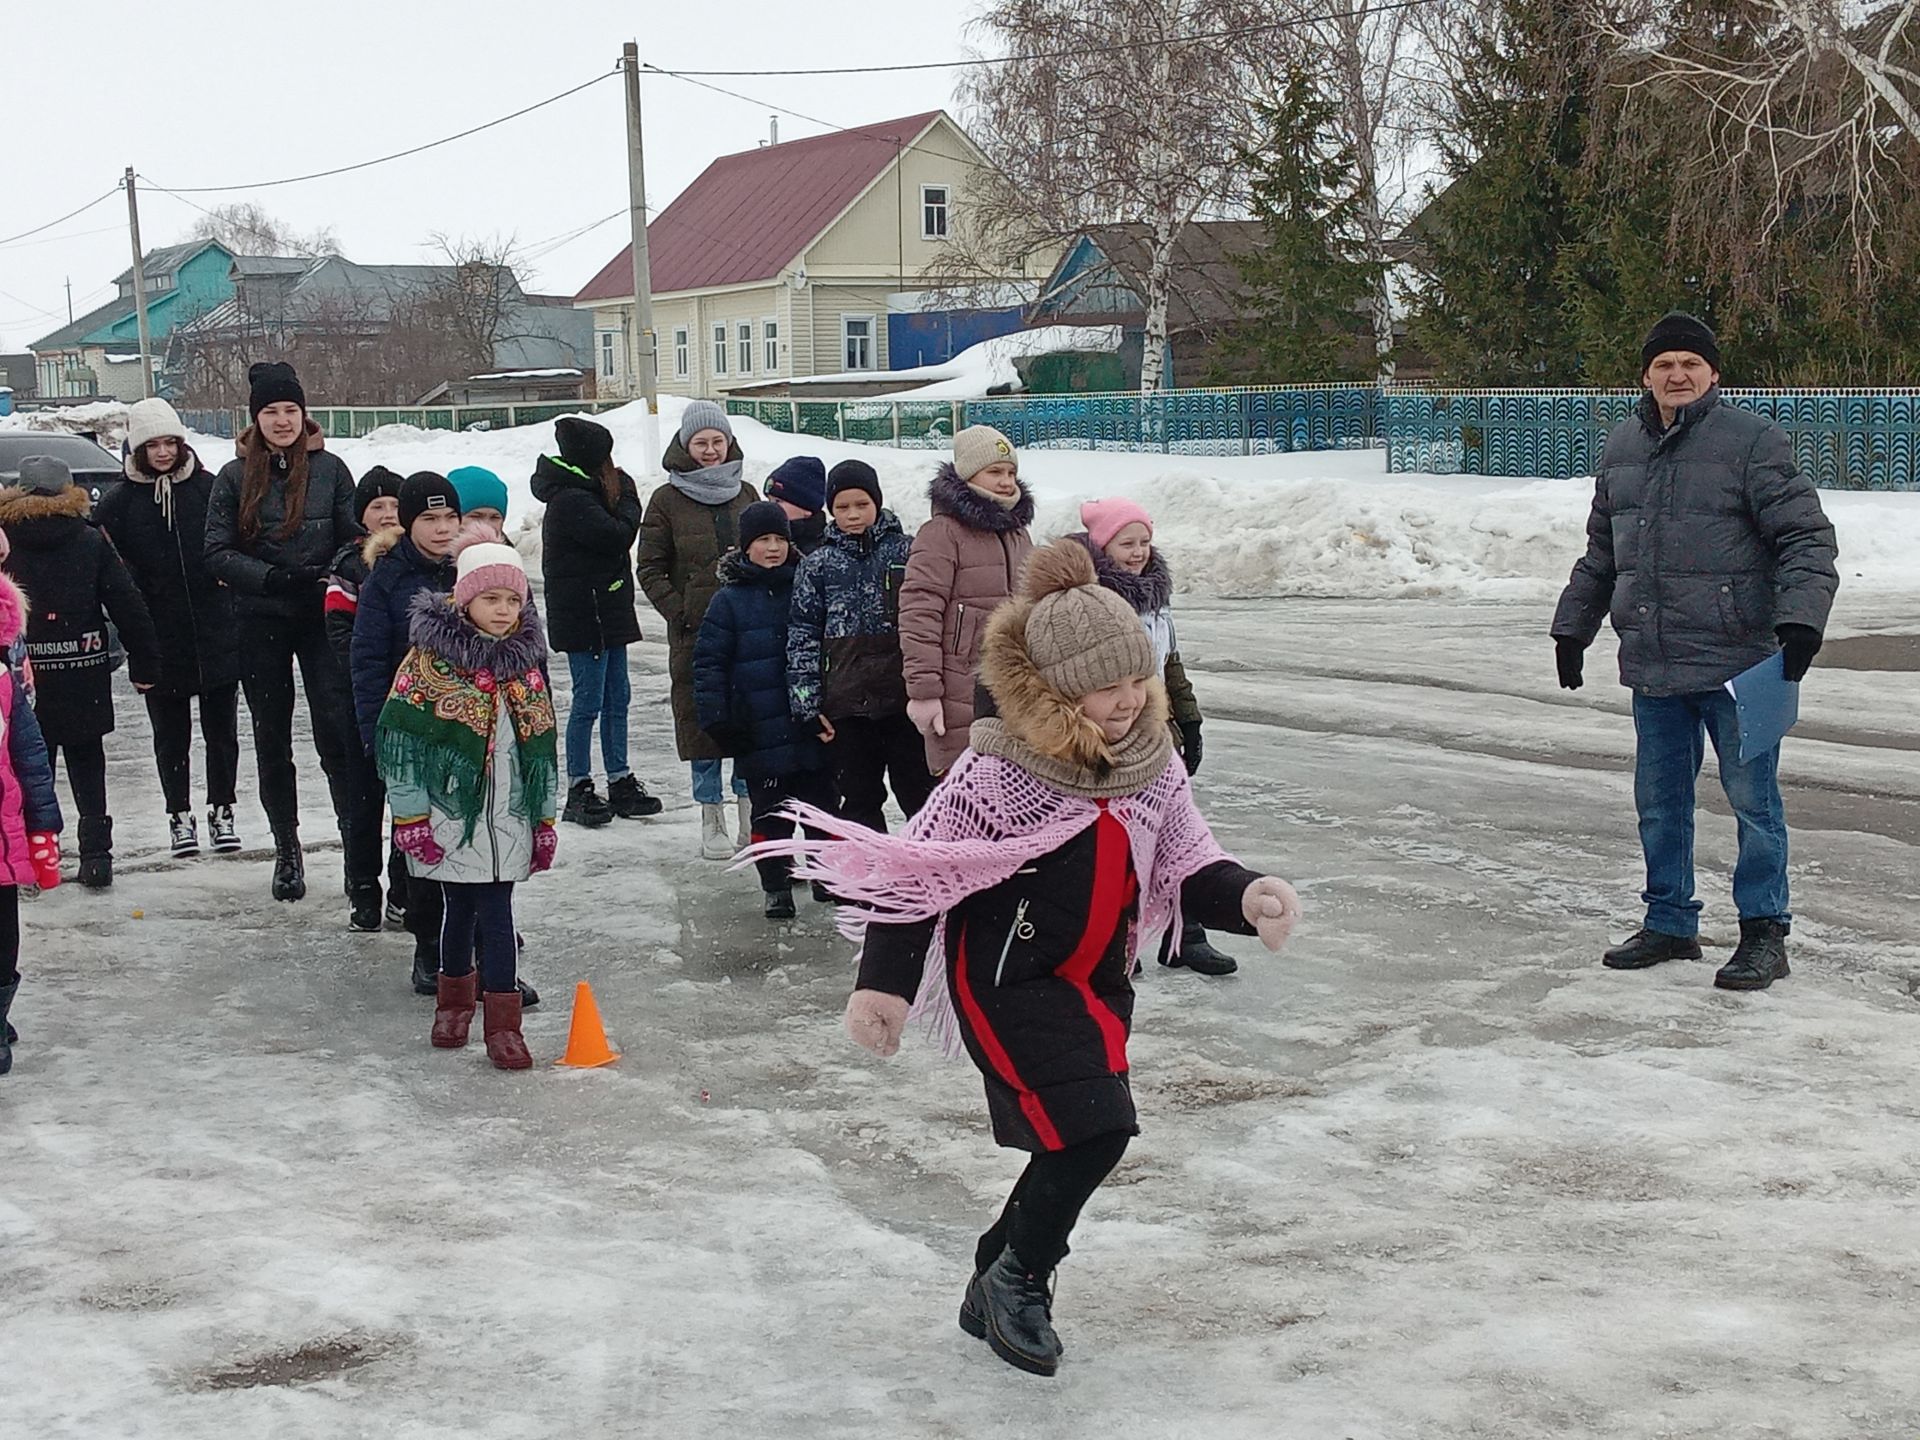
465,743
1008,913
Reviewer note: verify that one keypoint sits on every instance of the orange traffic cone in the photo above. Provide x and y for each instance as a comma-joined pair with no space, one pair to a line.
587,1041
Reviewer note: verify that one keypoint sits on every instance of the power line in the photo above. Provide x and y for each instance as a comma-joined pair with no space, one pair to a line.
1294,23
384,159
64,218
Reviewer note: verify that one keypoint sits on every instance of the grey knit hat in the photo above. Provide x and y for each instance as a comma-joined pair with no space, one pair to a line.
704,415
1081,637
979,446
44,475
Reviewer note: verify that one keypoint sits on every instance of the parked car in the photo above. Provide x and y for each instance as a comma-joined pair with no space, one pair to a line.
94,467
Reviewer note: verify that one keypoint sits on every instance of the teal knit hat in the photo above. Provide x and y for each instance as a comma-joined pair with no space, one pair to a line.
479,488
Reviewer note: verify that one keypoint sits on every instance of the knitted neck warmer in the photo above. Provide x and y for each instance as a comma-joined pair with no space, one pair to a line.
715,485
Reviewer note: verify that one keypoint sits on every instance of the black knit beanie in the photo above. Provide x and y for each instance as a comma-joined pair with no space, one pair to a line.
582,443
425,490
378,483
1677,330
268,383
854,475
763,517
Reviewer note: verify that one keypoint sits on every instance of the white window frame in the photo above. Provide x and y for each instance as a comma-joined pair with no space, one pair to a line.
770,343
743,345
945,209
721,340
872,337
682,352
607,338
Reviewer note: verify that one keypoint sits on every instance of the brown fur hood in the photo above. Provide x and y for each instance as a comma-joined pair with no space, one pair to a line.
376,545
1046,731
18,506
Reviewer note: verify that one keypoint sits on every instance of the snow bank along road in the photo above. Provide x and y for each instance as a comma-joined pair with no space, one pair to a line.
1432,1173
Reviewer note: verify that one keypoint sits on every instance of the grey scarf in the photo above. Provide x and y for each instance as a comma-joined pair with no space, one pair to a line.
715,485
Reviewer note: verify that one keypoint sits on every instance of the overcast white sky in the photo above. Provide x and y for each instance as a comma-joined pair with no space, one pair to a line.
216,92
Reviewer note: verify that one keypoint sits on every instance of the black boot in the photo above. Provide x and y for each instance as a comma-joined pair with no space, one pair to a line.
7,1033
96,851
585,807
629,799
1650,947
780,904
364,897
822,895
289,867
1760,959
426,969
1018,1313
1196,953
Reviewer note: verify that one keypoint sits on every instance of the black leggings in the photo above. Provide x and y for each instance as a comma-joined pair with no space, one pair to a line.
479,916
1046,1202
86,774
274,646
9,935
172,719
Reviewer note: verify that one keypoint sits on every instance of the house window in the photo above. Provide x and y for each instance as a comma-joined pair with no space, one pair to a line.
682,356
856,342
770,335
606,354
719,349
744,333
933,212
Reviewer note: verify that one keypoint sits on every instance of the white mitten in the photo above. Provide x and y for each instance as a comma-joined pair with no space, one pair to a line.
1272,908
875,1020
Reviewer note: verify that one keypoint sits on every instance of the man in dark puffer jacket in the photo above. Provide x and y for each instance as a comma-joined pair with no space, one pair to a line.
1709,549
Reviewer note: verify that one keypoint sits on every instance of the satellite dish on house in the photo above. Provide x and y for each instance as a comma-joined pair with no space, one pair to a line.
799,278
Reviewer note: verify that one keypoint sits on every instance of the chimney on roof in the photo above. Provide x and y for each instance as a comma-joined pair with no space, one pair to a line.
773,129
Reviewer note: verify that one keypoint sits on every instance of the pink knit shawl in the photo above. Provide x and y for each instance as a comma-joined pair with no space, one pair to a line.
985,821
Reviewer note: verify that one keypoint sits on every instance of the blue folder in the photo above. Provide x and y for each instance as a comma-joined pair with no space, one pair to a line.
1769,705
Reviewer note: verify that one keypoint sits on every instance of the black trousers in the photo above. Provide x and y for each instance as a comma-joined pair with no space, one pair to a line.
1046,1203
868,755
812,787
478,921
86,775
364,836
273,645
425,911
172,719
9,935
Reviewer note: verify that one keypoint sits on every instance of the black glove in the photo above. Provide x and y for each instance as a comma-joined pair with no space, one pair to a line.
292,579
1190,746
1571,658
1799,643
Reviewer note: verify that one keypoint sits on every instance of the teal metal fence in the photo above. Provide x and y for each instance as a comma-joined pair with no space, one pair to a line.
350,422
1845,439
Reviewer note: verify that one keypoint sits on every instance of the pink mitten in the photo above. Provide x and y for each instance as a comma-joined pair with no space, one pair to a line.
545,842
415,839
875,1019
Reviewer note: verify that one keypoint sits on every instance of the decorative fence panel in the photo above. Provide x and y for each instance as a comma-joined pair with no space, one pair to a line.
350,422
1846,440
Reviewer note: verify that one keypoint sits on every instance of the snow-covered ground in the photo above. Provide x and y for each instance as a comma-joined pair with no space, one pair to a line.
978,370
1432,1173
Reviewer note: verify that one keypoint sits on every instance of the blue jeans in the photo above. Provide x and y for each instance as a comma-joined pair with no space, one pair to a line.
706,783
1667,763
601,691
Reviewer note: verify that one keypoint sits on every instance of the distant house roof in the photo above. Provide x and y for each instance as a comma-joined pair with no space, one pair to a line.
1206,288
168,259
271,264
68,336
748,215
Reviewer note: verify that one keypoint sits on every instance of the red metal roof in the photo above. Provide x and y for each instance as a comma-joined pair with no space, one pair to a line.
748,215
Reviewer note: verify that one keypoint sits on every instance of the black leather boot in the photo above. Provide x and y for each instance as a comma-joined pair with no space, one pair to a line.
1650,947
1196,953
96,851
1760,959
780,904
1017,1309
289,867
426,968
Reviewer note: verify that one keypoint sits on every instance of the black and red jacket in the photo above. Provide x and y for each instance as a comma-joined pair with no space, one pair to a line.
1038,968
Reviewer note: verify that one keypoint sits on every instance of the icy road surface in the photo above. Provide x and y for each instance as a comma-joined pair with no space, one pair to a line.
1433,1173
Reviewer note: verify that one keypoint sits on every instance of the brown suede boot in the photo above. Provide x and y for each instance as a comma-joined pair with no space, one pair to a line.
453,1011
506,1047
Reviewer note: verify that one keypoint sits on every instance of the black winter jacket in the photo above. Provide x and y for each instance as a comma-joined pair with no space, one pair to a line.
843,650
382,623
74,582
192,612
586,557
740,673
1702,540
257,570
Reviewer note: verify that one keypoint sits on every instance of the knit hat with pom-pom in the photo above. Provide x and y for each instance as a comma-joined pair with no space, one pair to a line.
483,562
1080,636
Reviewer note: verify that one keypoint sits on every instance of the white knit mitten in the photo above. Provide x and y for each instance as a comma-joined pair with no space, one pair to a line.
875,1020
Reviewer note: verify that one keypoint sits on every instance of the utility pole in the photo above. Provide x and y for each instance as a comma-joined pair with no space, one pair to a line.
69,300
641,352
140,289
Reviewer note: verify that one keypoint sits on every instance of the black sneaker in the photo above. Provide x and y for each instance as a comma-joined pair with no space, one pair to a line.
1651,947
396,915
629,799
221,831
585,807
780,904
183,835
1760,959
1196,953
529,997
364,915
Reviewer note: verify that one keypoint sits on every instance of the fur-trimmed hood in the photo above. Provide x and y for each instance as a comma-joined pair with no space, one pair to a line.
436,623
736,569
13,611
184,469
377,544
950,495
251,437
18,507
1150,590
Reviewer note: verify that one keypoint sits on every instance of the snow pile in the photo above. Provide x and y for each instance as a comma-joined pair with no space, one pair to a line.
978,370
106,419
1332,524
